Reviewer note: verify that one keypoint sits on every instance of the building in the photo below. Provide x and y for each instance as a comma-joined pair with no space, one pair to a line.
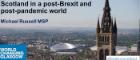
106,34
119,49
138,47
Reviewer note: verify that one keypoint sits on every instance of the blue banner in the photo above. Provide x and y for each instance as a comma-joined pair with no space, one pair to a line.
13,52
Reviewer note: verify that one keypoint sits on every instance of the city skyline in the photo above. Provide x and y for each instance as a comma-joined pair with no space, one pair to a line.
126,13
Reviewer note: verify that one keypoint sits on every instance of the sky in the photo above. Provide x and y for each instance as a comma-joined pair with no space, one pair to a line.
126,12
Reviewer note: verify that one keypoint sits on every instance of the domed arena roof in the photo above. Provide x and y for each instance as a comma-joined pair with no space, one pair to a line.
62,46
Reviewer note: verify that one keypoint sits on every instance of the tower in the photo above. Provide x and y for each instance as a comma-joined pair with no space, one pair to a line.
106,34
138,48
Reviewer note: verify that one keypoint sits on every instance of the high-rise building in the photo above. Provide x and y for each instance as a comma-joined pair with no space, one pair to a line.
138,47
106,34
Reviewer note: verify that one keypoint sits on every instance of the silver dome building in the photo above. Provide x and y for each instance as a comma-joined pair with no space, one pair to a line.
62,46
